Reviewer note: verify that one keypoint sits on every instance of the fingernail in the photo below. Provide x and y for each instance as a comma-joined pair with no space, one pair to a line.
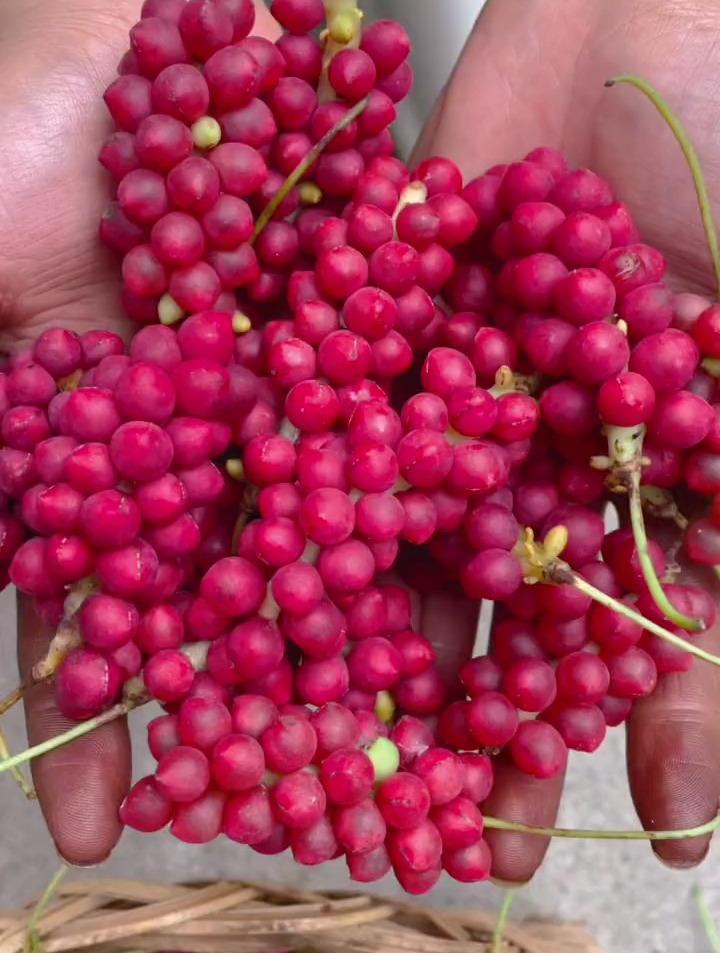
508,884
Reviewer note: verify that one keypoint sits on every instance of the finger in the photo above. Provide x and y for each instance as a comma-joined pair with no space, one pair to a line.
674,756
518,797
81,785
449,623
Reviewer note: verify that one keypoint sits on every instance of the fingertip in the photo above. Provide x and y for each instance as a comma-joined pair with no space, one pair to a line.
674,786
673,757
684,863
80,788
518,797
449,623
81,785
507,884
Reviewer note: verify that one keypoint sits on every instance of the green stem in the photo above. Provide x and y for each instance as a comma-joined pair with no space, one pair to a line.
637,521
33,943
78,731
302,167
623,609
134,696
499,932
497,824
711,930
26,788
691,158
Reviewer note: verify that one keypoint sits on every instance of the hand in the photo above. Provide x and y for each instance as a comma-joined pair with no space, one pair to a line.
54,272
58,59
532,75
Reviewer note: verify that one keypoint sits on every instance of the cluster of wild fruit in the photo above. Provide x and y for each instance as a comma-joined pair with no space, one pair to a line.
346,367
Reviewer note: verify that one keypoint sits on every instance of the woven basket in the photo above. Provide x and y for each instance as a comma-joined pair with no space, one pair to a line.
122,916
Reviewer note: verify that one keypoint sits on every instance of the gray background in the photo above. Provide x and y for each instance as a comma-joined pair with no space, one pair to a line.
629,902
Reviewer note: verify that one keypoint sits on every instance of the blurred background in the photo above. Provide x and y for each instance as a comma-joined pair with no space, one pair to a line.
628,901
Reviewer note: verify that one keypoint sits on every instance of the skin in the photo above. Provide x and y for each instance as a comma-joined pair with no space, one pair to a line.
58,57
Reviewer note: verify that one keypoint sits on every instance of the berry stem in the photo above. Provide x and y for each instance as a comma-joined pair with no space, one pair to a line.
499,931
72,734
302,167
134,696
623,609
541,563
67,635
709,925
26,788
11,700
625,461
691,158
637,522
498,824
33,944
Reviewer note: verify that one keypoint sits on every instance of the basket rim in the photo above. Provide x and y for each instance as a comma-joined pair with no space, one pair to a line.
241,916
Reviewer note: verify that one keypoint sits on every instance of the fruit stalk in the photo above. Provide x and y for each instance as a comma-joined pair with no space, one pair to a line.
625,460
497,824
11,700
623,609
498,933
637,521
709,925
72,734
134,696
26,788
300,170
688,150
33,942
541,563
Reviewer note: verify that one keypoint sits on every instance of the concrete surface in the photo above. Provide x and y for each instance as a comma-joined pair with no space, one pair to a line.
630,903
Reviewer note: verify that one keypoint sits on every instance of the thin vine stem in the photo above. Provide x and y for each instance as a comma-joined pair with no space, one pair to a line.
5,753
499,931
33,943
625,610
498,824
688,150
11,700
709,925
302,167
637,523
78,731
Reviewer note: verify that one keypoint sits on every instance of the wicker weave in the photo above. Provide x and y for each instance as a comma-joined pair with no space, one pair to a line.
120,916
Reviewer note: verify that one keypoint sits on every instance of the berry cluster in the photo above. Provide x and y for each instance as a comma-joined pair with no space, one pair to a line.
348,367
212,121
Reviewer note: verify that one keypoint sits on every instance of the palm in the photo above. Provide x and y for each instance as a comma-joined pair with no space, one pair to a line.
533,74
58,57
52,269
541,77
